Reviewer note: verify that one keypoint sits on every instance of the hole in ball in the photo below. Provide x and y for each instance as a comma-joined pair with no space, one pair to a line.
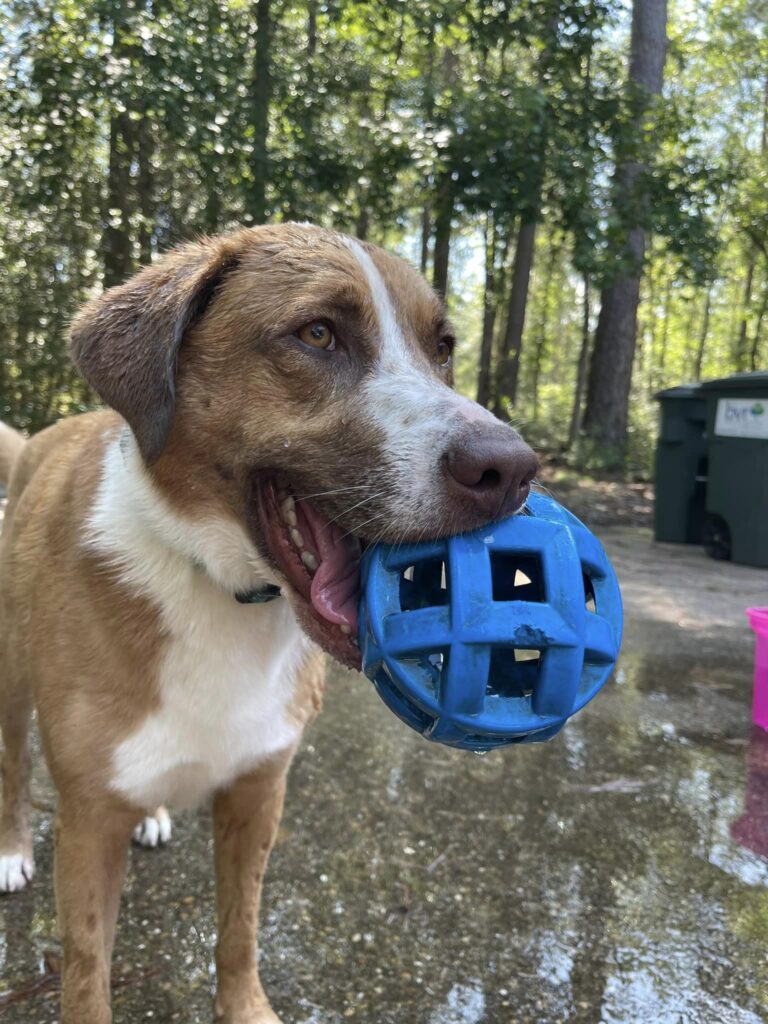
589,595
513,672
424,585
517,577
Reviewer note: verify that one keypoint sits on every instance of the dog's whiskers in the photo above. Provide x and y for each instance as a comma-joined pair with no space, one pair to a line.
368,497
324,494
349,533
541,487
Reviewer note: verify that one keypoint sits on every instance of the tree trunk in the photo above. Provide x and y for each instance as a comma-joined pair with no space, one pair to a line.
690,325
117,243
509,358
363,221
746,304
429,111
503,273
443,219
212,213
508,372
489,314
145,188
426,234
607,414
703,335
662,360
543,326
311,27
445,190
562,346
505,262
256,209
581,372
646,345
754,356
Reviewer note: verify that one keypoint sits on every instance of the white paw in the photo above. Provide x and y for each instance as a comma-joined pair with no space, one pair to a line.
154,830
15,871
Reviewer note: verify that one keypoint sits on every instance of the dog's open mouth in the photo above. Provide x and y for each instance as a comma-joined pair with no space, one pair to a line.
319,560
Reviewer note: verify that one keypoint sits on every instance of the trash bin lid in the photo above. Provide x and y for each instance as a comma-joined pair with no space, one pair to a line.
752,382
681,391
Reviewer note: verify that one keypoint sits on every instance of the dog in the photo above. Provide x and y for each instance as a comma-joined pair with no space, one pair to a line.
173,567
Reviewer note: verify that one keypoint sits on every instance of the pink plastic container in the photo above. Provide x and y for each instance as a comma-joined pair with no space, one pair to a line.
758,620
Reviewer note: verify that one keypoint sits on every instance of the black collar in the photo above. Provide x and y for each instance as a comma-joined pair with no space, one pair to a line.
269,592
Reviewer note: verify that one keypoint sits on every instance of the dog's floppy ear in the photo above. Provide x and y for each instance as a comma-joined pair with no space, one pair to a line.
126,342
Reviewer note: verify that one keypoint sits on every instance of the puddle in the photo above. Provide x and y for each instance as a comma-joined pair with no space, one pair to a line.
618,874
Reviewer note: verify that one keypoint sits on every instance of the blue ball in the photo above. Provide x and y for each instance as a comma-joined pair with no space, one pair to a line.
492,637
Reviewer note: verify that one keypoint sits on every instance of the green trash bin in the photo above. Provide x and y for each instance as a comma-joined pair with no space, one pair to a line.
681,466
736,524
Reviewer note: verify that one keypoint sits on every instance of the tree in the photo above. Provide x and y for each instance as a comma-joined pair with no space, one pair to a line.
256,201
607,413
486,138
509,357
484,378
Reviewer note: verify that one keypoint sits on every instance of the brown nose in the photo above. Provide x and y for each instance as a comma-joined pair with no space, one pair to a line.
491,470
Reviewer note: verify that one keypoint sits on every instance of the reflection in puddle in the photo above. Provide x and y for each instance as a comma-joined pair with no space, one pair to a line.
751,829
464,1005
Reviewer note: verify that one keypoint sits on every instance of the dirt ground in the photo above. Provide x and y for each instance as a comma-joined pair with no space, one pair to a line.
598,502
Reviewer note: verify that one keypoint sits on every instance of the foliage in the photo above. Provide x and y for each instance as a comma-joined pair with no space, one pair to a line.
128,125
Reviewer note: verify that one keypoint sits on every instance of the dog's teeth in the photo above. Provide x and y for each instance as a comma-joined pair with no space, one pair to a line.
347,630
297,539
309,560
288,511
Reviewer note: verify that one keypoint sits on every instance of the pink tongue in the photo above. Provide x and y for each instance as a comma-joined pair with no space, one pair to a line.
335,585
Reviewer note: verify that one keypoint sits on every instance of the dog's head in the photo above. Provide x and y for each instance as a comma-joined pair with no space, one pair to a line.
300,380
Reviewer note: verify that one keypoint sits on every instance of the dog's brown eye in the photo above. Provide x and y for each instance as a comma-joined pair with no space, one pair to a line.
318,335
444,351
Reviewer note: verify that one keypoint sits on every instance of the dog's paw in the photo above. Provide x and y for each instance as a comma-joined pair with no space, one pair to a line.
154,830
16,871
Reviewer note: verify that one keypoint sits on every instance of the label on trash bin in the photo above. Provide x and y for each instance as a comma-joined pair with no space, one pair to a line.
742,417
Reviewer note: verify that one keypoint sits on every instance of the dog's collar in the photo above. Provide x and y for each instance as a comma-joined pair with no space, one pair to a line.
259,595
269,592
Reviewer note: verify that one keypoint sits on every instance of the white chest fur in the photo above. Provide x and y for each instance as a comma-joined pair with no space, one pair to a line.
224,684
227,673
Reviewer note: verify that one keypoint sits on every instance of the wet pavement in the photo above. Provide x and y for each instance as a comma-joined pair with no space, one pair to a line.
616,874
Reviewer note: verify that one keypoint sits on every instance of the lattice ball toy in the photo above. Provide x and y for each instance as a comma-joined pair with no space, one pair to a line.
492,637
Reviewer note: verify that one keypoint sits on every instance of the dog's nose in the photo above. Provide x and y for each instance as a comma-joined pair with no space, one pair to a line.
491,470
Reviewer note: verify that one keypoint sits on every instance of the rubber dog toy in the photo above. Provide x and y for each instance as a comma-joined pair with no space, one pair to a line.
492,637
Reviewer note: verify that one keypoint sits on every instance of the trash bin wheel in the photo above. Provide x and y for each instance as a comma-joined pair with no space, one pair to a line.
717,538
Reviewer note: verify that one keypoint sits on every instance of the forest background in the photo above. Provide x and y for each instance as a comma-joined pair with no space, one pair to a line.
586,181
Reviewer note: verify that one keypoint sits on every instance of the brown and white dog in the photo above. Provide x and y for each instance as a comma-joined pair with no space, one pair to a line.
281,395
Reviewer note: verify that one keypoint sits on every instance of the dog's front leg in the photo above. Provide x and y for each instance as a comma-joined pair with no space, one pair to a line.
246,817
91,846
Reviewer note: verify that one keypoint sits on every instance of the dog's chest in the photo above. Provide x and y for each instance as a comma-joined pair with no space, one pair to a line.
225,684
